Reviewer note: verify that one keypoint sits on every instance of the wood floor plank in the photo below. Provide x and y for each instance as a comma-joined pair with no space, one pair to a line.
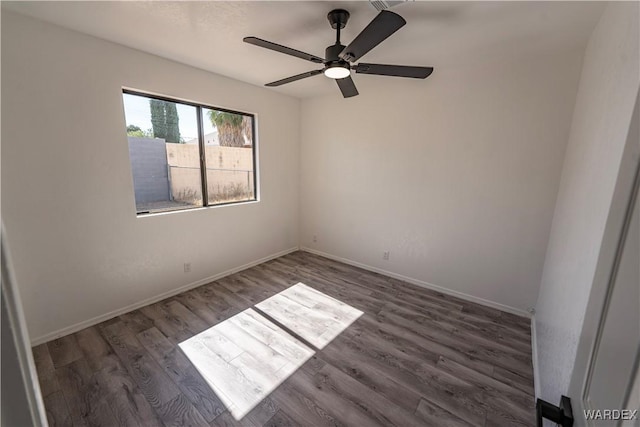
272,336
306,323
495,356
503,419
83,394
148,375
238,390
460,323
343,290
313,365
270,358
281,419
520,382
171,326
374,404
350,362
94,348
255,280
226,420
433,415
206,310
284,279
46,372
261,413
316,300
316,326
42,359
498,398
491,341
488,383
250,293
180,412
64,350
128,405
347,411
182,372
216,293
190,320
507,411
403,336
412,293
511,337
136,321
57,411
455,395
303,407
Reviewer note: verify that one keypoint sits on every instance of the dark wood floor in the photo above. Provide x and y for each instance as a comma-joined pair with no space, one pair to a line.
415,357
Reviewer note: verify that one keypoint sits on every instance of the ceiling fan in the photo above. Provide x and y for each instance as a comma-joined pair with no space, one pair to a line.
338,61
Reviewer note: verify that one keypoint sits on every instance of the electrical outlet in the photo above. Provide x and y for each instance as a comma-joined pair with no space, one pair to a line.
187,267
315,239
385,255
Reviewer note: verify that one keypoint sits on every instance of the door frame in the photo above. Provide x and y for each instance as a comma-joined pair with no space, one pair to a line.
19,338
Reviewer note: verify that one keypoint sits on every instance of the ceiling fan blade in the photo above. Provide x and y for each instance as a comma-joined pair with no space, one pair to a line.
347,87
382,26
394,70
283,49
294,78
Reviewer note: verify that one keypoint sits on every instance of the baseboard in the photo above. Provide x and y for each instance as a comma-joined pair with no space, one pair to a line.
534,358
423,284
98,319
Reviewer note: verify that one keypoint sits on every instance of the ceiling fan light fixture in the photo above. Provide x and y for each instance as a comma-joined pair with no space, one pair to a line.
337,71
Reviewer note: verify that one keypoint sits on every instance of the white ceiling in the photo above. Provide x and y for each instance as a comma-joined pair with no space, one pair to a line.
209,35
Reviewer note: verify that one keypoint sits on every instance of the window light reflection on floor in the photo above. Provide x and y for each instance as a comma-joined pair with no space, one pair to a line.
245,358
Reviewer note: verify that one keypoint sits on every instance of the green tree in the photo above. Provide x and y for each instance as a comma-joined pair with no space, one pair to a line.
171,116
133,130
230,128
164,120
158,118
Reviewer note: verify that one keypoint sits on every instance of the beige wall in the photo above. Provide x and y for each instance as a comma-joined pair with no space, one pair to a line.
79,250
229,173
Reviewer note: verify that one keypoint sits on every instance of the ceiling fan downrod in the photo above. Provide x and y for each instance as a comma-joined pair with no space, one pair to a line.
338,19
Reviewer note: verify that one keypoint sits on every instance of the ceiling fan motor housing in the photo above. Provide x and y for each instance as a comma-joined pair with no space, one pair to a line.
338,17
332,53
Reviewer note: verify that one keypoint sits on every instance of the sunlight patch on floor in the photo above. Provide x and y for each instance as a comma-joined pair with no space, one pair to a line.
316,317
247,356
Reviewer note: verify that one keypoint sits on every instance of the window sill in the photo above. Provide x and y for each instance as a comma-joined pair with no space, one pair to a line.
196,209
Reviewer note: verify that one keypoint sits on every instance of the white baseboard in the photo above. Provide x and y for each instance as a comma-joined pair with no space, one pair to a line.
422,284
98,319
534,358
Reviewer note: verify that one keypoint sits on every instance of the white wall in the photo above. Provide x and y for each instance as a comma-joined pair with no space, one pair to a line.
456,175
67,191
606,95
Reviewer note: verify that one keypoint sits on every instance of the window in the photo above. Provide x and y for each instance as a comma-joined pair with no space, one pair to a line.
186,155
